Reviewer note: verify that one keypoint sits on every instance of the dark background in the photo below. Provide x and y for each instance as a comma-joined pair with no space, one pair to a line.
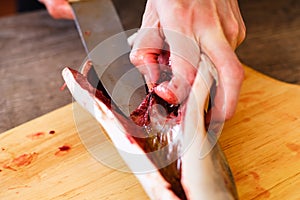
272,43
34,48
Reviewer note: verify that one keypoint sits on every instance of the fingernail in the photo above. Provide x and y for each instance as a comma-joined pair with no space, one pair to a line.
165,93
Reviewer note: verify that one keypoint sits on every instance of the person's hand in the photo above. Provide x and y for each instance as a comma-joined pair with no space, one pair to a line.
190,27
59,9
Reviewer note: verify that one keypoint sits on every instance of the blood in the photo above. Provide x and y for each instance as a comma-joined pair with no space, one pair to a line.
255,175
247,119
131,140
63,150
157,140
51,132
99,92
262,192
62,88
140,117
87,33
5,166
22,160
35,136
294,147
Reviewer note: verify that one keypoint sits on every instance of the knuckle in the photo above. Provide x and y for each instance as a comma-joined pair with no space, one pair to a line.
136,58
233,29
239,72
234,70
242,33
180,10
53,12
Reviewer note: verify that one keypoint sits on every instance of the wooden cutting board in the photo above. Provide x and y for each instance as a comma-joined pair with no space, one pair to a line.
262,144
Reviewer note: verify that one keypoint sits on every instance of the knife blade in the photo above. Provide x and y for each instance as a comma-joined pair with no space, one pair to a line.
105,43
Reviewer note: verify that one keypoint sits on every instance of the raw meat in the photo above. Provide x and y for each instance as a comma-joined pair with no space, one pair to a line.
167,138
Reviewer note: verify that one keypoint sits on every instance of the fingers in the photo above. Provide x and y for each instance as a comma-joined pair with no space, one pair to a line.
148,46
145,53
232,23
178,88
230,74
184,57
59,9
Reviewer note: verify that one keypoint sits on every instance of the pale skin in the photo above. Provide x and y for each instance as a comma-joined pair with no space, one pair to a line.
58,9
189,27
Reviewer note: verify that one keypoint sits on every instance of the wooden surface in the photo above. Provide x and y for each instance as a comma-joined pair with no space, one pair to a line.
34,48
261,142
48,173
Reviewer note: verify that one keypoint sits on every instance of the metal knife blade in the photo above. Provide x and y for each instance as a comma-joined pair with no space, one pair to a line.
106,45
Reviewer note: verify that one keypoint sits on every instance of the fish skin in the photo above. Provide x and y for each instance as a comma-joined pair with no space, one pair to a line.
202,178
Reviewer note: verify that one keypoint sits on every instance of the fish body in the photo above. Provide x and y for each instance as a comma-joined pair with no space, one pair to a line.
162,150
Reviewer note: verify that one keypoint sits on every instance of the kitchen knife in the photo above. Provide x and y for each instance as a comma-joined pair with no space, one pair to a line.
105,43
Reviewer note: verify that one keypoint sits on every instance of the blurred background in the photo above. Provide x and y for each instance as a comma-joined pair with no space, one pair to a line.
266,21
34,48
16,6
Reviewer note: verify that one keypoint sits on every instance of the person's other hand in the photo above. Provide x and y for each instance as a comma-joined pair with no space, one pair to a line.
59,9
188,27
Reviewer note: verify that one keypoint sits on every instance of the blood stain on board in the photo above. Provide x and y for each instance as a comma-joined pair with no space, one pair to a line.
23,160
52,132
35,136
62,88
254,175
18,187
294,148
247,99
262,192
87,33
247,119
7,166
62,150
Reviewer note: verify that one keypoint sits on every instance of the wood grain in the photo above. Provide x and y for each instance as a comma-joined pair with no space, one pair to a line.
261,142
52,174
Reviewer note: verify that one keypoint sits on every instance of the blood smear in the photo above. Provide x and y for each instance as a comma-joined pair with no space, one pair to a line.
35,136
63,87
22,160
87,33
63,150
